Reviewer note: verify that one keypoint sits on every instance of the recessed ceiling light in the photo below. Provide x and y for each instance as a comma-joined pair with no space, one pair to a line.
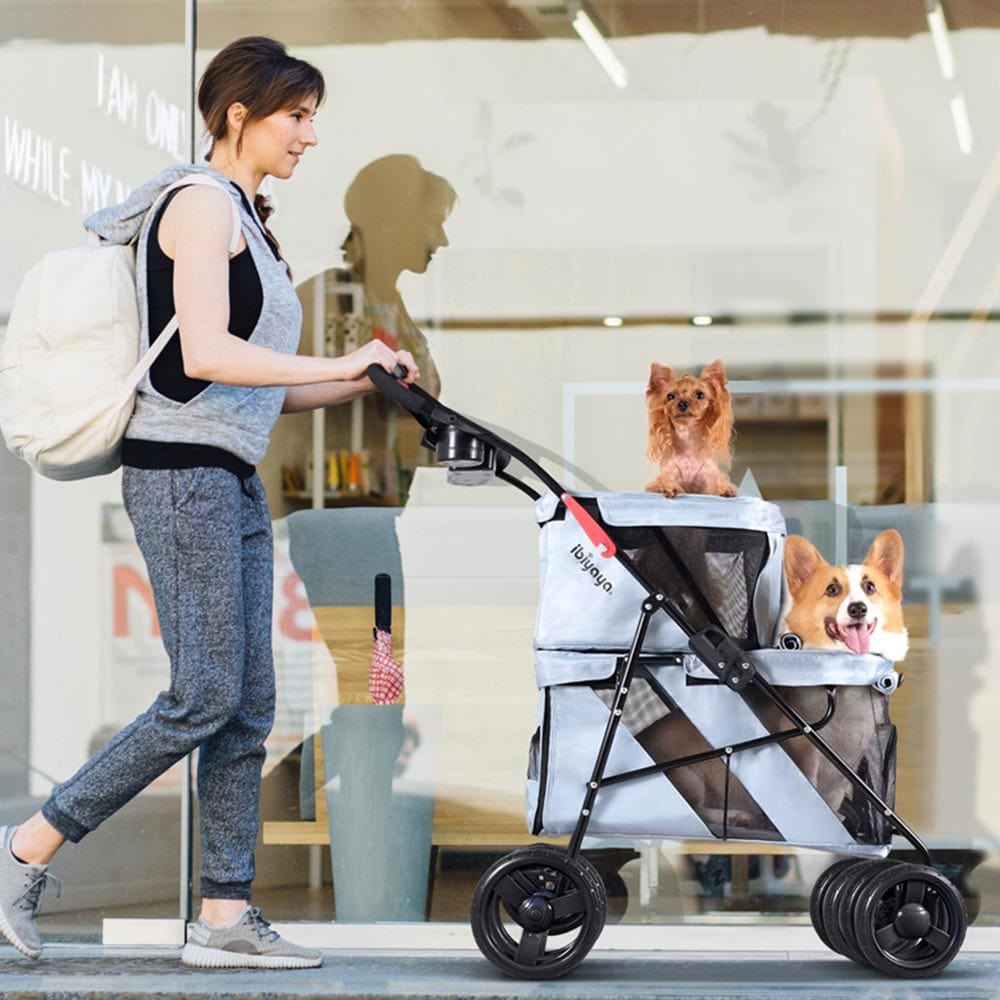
613,321
701,320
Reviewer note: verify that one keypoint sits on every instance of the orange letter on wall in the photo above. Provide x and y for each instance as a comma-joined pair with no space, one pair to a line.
126,579
296,602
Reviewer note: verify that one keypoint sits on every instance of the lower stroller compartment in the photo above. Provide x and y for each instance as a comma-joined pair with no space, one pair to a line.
782,791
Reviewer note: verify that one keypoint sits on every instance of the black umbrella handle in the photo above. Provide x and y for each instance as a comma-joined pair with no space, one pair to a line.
383,602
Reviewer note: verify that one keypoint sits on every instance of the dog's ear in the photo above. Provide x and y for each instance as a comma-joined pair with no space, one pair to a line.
660,375
886,554
802,560
715,372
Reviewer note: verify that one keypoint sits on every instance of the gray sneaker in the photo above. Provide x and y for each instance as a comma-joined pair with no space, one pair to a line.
20,895
250,943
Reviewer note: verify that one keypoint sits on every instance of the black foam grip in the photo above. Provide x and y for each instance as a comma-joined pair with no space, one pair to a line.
395,389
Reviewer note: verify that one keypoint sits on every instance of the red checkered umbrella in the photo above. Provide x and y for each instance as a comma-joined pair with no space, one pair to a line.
385,677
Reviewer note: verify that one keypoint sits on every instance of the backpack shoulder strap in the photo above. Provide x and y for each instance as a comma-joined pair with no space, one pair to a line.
135,376
206,181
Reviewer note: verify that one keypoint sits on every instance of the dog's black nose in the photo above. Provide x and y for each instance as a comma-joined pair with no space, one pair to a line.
682,405
857,609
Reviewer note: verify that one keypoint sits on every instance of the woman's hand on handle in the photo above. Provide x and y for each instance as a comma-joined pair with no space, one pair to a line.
376,352
347,377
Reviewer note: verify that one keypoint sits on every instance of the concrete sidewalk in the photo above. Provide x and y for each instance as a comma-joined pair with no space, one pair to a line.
96,973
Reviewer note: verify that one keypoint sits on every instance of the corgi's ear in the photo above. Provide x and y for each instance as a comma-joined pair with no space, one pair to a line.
660,375
802,560
715,371
886,554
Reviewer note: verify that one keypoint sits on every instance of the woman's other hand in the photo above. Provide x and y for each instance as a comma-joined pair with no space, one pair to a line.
375,352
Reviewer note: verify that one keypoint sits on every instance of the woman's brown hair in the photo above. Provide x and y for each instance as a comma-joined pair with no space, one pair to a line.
258,73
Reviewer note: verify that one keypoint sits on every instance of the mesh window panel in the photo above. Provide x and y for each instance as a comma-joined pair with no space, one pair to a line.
709,574
861,734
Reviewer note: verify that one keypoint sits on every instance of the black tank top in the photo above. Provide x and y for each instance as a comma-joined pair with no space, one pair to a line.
246,299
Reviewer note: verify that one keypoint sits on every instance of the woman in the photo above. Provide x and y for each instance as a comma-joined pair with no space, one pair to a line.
201,424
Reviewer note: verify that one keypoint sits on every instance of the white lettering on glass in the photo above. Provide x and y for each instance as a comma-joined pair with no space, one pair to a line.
34,161
95,188
123,97
166,124
98,188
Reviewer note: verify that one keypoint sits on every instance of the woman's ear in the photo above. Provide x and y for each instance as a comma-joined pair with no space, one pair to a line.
236,116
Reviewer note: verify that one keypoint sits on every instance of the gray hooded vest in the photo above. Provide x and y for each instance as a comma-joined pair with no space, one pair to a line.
237,419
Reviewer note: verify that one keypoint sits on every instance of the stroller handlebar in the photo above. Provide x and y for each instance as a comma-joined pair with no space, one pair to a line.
472,453
411,397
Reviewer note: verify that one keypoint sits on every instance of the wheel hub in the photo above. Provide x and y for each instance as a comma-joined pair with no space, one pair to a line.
535,913
912,921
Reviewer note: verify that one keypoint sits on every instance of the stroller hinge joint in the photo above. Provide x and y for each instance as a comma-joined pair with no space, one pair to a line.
724,656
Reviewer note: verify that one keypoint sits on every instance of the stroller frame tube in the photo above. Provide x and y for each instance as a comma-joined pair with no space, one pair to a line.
713,646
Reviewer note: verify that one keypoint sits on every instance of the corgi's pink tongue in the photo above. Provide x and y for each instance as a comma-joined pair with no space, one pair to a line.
857,637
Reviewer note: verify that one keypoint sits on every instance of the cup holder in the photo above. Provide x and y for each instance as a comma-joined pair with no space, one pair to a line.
470,461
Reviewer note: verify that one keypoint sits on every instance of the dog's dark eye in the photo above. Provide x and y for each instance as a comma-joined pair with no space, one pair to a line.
833,590
670,397
868,587
700,394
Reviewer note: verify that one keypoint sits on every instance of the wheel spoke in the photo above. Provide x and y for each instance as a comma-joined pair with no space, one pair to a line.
887,938
938,939
514,889
915,889
531,948
568,905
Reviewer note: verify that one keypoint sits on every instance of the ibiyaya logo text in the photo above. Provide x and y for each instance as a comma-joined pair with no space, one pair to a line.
587,565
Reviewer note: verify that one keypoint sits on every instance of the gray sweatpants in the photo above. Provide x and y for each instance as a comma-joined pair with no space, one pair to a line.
206,539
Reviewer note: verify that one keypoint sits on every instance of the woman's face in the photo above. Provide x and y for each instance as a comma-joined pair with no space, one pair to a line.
275,144
428,238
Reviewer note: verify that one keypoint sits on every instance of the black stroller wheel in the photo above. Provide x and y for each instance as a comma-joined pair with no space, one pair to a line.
616,891
830,903
838,921
844,929
528,897
819,889
910,922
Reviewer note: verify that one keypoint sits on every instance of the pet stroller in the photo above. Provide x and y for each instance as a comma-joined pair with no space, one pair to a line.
667,711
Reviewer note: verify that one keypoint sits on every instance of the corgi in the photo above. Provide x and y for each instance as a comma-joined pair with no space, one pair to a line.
855,608
690,431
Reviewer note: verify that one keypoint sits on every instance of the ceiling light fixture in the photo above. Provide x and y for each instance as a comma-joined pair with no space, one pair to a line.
613,321
963,128
591,36
939,33
701,320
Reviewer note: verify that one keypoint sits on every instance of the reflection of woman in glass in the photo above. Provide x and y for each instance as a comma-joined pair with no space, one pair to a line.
397,211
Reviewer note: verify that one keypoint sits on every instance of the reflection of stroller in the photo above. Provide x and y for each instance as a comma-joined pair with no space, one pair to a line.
686,724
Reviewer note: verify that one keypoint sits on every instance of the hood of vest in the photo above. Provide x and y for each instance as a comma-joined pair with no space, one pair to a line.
121,223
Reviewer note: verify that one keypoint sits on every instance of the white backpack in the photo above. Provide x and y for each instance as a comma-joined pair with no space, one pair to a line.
69,362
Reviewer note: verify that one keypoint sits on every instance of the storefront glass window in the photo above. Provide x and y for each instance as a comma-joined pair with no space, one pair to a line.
810,199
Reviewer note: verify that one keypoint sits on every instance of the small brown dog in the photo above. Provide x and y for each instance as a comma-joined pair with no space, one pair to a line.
690,431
